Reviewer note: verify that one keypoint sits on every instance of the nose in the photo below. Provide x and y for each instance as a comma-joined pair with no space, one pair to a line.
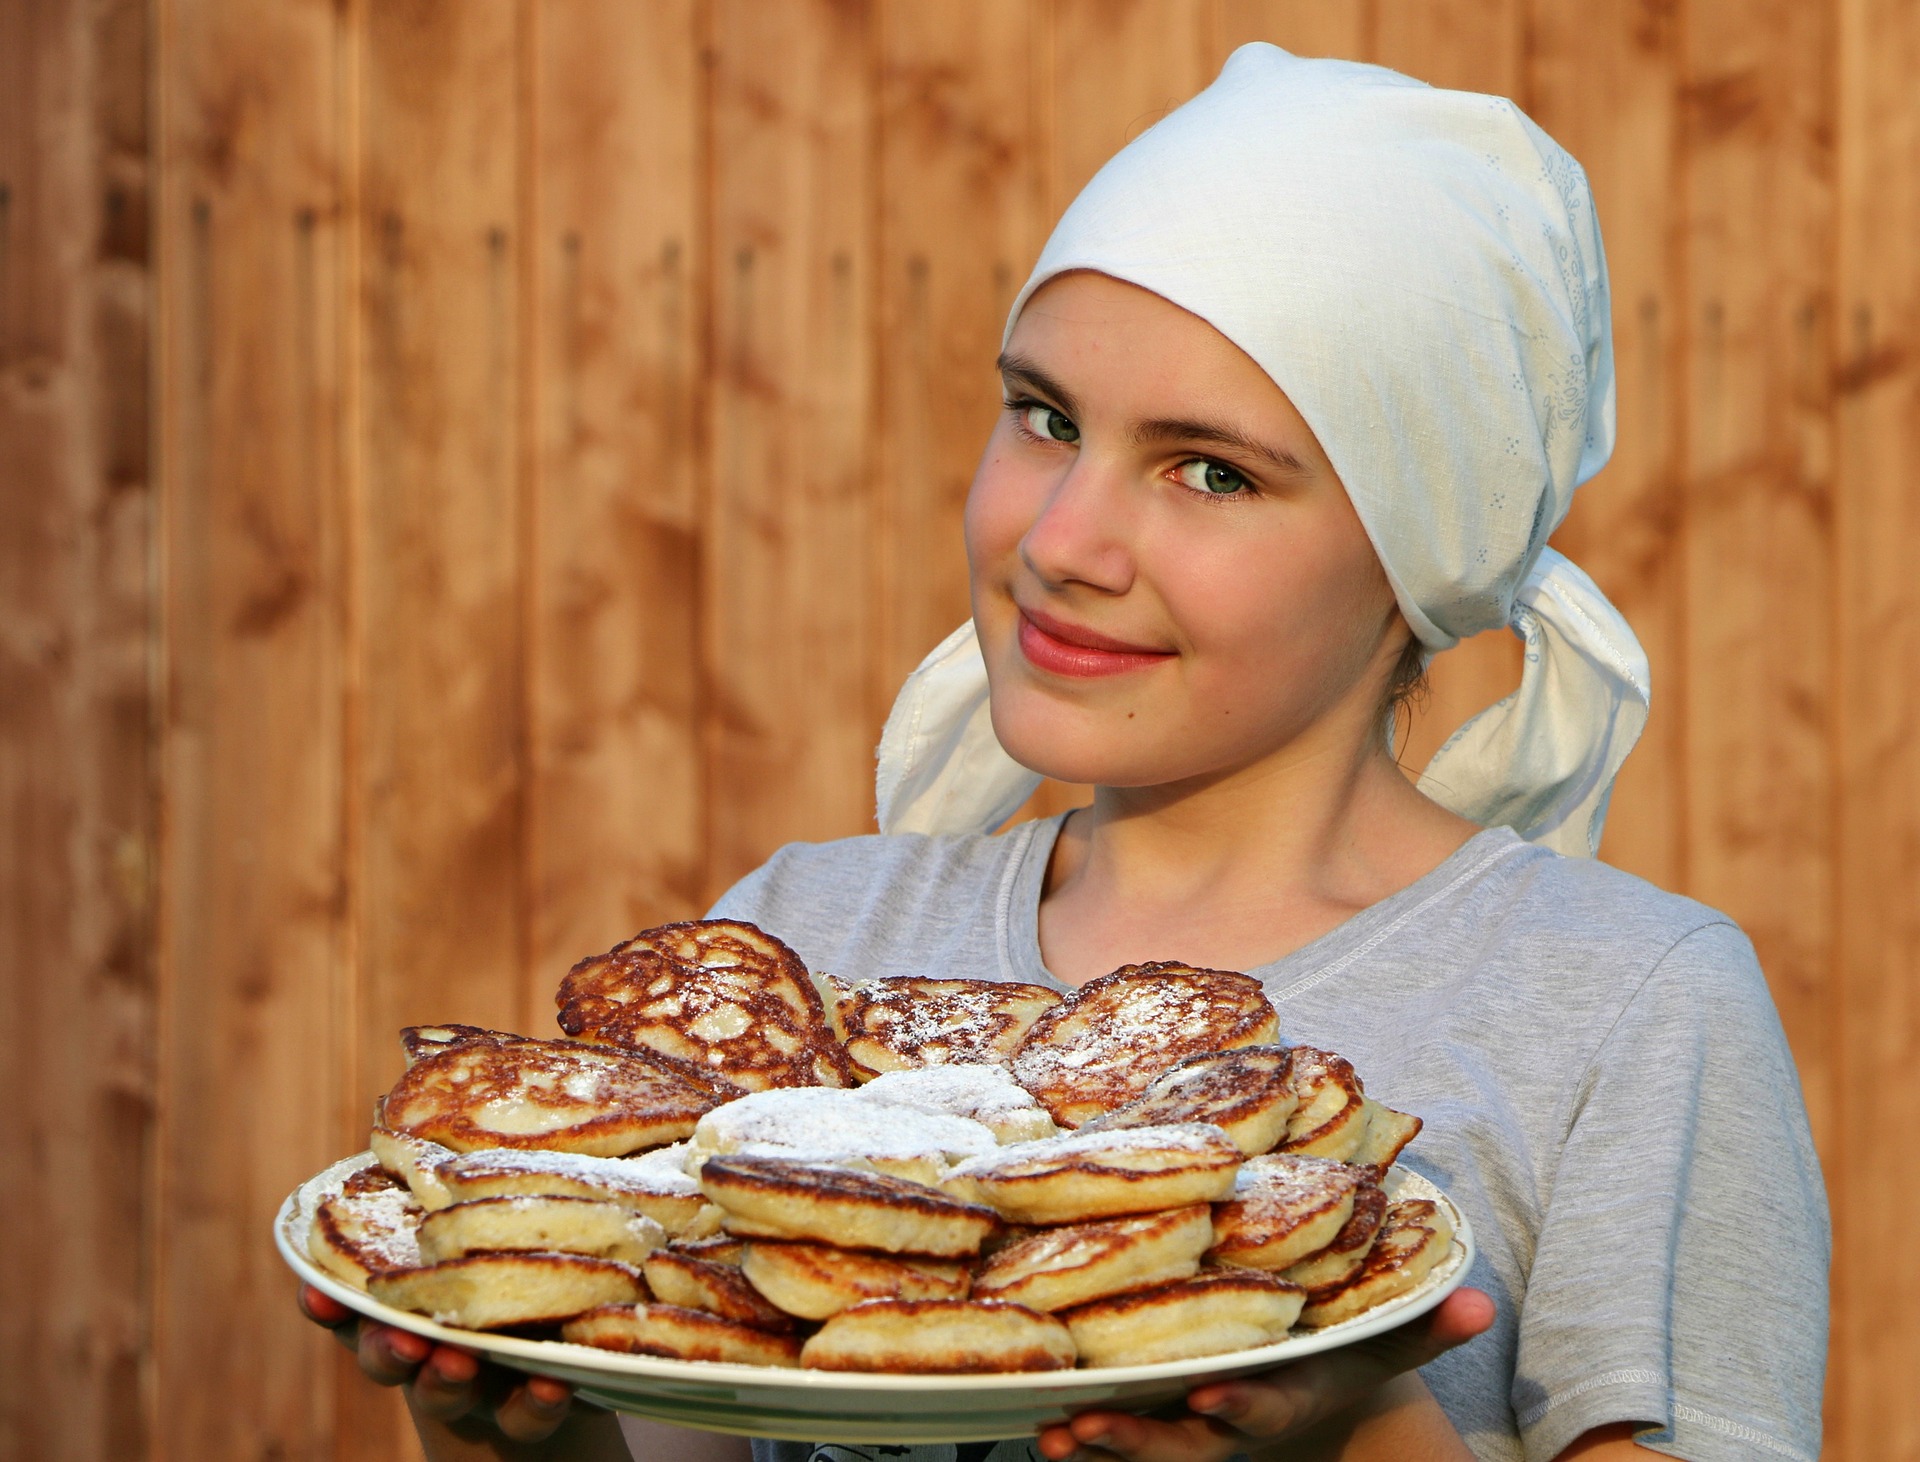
1083,532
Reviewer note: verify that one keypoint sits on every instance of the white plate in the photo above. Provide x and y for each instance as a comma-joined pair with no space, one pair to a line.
849,1407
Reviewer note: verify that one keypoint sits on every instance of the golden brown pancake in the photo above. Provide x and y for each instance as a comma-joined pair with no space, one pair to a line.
1283,1208
720,994
1088,1175
712,1285
654,1183
491,1291
1248,1094
680,1334
825,1124
985,1094
558,1095
939,1337
815,1281
1104,1045
1415,1237
1056,1268
1388,1133
371,1226
1214,1312
542,1225
767,1197
908,1021
1328,1268
1332,1119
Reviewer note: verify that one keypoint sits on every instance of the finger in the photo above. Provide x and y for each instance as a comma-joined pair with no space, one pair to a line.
1280,1401
534,1409
323,1309
448,1385
1146,1439
389,1356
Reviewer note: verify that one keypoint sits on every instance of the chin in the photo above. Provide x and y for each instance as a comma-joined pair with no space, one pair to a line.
1082,747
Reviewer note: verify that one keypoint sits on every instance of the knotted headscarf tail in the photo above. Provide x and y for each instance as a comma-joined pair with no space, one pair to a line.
1420,271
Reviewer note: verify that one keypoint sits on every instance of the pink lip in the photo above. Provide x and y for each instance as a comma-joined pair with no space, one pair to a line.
1066,649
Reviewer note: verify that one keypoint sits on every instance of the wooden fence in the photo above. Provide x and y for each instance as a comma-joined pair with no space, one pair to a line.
474,472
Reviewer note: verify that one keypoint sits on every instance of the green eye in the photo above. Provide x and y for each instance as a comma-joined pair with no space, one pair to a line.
1044,421
1211,477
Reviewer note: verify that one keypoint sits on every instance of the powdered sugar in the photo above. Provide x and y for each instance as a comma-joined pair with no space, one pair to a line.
978,1092
657,1173
833,1124
1202,1139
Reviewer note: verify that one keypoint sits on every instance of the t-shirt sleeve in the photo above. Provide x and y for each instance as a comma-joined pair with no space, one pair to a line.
1680,1277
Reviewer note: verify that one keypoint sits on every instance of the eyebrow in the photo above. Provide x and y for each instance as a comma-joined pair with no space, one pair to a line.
1159,429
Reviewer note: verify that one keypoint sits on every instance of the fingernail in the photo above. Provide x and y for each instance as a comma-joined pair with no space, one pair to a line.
407,1345
456,1366
546,1396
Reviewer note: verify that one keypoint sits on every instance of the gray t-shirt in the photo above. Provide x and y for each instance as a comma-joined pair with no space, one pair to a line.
1606,1089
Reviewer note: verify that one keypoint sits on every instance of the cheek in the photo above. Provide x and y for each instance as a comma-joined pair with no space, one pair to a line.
1276,628
1005,498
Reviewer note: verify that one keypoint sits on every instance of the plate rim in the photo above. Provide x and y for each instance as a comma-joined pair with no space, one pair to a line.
620,1367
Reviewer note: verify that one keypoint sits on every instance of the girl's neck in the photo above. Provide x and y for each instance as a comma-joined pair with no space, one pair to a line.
1238,869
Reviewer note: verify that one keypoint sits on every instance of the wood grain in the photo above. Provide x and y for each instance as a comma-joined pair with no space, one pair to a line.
560,413
255,1046
1876,962
790,637
1758,682
443,918
957,140
616,796
76,816
1603,80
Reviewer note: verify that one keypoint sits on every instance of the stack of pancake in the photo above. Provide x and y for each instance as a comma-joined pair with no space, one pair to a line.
733,1160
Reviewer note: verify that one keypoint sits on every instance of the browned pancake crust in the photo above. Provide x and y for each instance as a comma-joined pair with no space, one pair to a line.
906,1021
719,993
1230,1089
1103,1046
419,1041
1331,1120
1282,1208
770,1197
939,1337
601,1102
712,1286
677,1333
1341,1260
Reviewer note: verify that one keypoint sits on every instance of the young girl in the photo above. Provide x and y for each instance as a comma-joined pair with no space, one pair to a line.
1296,393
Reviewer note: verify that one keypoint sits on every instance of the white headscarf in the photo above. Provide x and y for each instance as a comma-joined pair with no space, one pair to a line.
1420,271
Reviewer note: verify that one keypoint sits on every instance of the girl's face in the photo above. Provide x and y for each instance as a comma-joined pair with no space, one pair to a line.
1169,581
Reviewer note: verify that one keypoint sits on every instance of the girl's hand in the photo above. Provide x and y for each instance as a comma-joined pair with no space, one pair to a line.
1238,1416
444,1382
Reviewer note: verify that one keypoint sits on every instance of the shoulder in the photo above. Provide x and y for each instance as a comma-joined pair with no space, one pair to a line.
886,904
858,870
1586,909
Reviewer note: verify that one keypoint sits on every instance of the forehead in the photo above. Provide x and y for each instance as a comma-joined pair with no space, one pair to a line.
1123,351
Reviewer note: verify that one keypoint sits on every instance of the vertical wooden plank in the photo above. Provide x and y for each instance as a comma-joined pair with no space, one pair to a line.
790,636
76,824
959,231
616,822
1305,27
1758,676
254,946
1110,69
443,917
1603,78
1872,1409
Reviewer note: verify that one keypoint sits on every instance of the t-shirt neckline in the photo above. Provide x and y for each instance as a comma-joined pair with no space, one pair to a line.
1018,915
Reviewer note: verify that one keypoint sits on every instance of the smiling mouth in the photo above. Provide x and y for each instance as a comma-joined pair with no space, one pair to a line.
1065,649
